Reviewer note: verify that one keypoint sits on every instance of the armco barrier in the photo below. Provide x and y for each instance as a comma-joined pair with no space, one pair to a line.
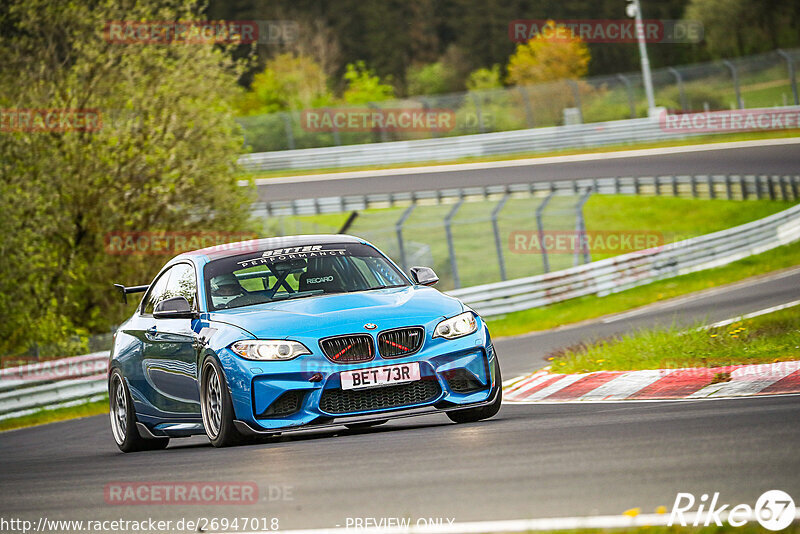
72,380
730,187
52,383
450,148
636,268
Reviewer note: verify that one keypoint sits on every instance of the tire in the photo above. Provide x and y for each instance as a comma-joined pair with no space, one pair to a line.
471,415
362,426
217,407
123,419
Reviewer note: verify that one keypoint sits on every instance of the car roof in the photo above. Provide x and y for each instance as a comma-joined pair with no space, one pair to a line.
254,245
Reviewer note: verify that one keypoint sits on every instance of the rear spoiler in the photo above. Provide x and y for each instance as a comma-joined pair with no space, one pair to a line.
127,290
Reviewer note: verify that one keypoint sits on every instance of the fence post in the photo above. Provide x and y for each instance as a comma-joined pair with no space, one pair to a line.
398,227
498,243
577,95
735,76
337,139
629,89
743,186
795,179
790,68
450,247
478,114
528,110
712,194
380,130
580,229
681,91
540,230
287,124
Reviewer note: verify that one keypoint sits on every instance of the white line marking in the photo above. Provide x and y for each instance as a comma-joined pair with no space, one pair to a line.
625,385
458,167
523,525
765,311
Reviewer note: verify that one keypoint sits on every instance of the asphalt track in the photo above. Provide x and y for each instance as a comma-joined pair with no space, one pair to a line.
530,461
781,156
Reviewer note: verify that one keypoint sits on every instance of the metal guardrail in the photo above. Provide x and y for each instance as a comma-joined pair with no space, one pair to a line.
52,384
730,187
636,268
449,148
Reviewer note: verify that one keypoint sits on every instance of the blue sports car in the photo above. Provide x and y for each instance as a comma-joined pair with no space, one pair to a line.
264,337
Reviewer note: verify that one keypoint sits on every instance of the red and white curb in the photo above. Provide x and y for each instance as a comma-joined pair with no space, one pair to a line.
690,383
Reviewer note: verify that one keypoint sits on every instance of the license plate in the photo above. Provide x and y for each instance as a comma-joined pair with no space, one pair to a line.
380,376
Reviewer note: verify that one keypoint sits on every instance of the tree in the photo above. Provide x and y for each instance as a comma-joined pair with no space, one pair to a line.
364,86
769,25
483,79
288,82
549,57
164,158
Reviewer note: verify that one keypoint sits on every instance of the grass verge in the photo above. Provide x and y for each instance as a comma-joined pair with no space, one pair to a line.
591,307
764,339
60,414
703,139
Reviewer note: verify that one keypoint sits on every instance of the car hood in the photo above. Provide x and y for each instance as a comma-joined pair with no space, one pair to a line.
387,308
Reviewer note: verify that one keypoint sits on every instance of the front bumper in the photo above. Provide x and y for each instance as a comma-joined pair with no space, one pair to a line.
248,429
306,392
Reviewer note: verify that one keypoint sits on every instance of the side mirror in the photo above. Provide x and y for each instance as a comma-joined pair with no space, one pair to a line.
424,276
173,308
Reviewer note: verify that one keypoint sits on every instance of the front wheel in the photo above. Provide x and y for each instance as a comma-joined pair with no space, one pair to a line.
471,415
123,419
216,406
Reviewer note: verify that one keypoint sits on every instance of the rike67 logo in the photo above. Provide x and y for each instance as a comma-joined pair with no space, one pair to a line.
774,510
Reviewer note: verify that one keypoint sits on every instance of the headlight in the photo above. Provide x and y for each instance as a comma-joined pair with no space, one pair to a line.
269,349
458,326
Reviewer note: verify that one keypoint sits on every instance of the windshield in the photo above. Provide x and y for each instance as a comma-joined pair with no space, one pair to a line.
296,272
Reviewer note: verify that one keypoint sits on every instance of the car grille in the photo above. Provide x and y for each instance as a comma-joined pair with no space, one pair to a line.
400,342
353,400
286,404
348,349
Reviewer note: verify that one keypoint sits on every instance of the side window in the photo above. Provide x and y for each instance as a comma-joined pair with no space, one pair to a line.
157,292
182,283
